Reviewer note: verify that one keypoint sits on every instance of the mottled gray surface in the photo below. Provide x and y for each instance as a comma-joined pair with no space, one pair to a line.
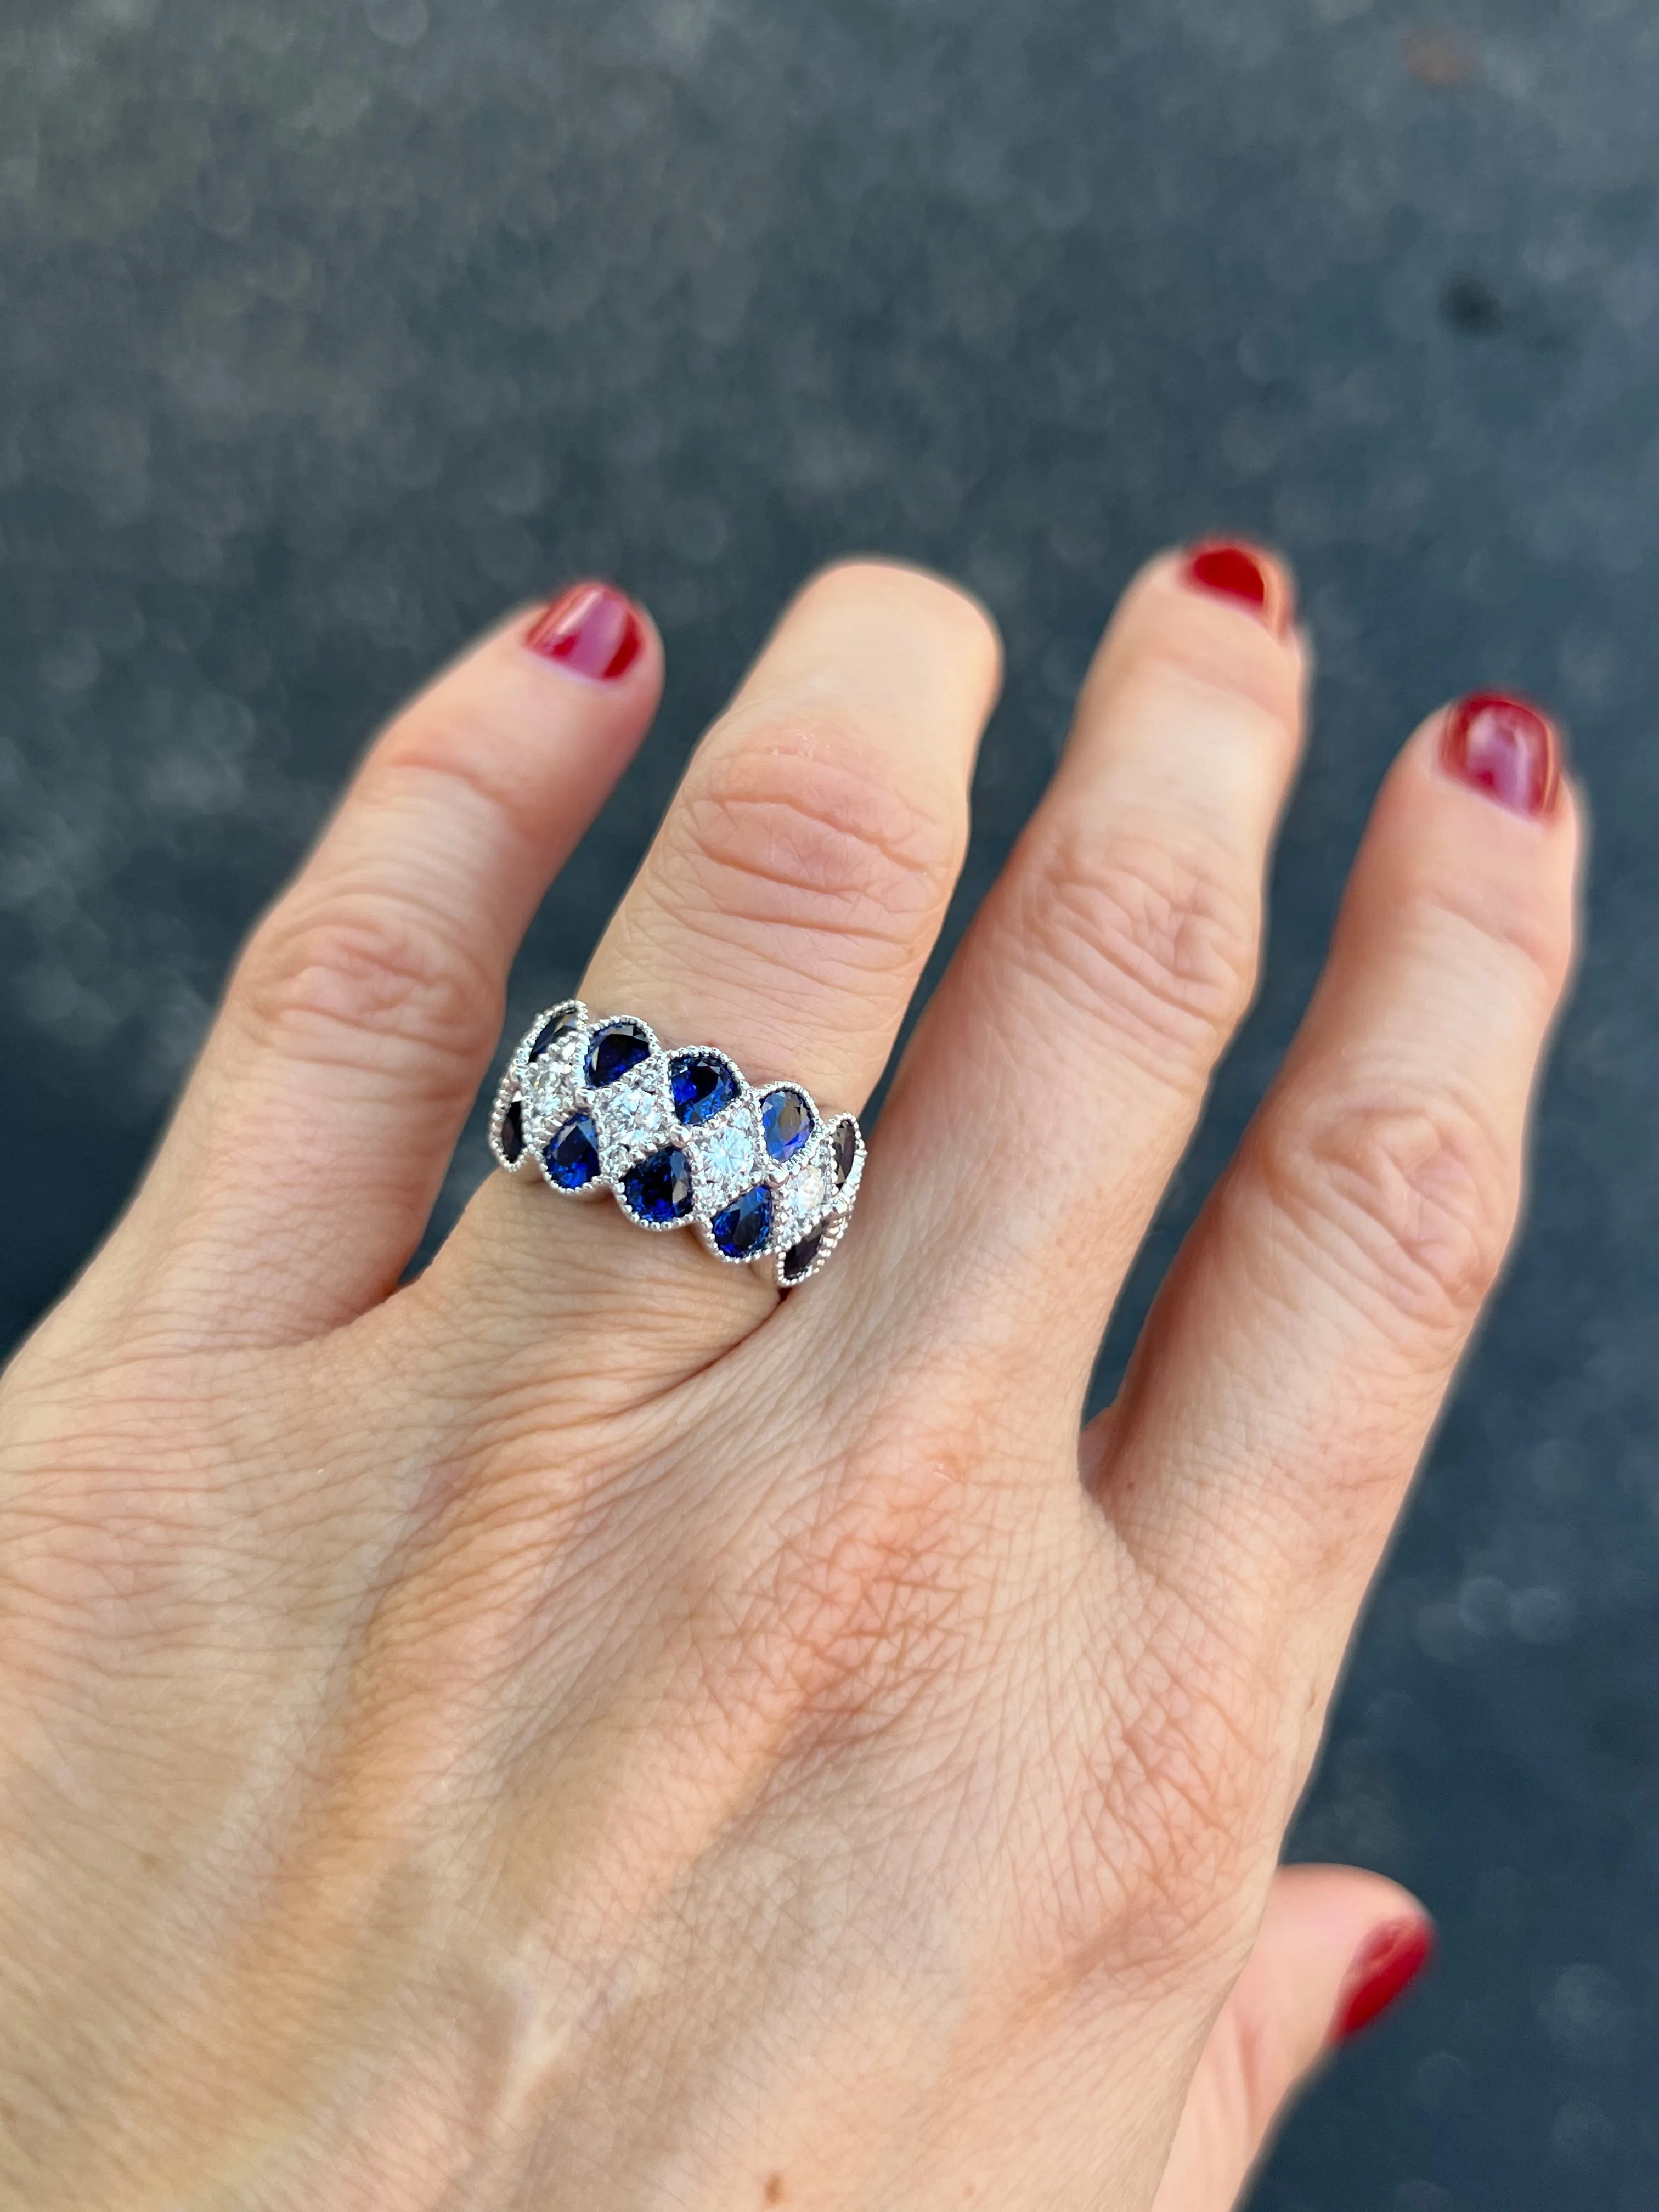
330,327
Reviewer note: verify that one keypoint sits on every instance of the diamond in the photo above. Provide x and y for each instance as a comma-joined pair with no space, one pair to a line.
616,1049
742,1229
659,1190
787,1121
546,1085
703,1086
730,1155
572,1153
511,1139
635,1120
807,1194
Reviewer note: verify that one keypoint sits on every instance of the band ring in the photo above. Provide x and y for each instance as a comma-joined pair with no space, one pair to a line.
680,1138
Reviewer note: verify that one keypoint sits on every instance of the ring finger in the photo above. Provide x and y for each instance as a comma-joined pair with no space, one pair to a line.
1066,1057
787,906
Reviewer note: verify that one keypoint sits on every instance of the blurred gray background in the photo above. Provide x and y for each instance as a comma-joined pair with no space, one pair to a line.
331,327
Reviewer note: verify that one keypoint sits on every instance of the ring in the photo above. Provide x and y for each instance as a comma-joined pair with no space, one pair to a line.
680,1138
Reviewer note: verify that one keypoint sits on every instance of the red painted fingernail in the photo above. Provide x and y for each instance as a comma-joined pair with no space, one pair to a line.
591,630
1505,748
1384,1967
1233,572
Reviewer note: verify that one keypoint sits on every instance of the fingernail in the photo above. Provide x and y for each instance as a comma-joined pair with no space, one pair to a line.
1384,1967
1235,571
1505,748
591,630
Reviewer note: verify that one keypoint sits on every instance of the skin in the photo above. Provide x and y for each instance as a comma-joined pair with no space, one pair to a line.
575,1731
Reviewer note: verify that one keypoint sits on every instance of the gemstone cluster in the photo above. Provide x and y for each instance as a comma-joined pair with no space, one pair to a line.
679,1139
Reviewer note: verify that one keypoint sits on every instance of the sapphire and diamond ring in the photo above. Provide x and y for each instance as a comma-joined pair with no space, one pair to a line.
679,1139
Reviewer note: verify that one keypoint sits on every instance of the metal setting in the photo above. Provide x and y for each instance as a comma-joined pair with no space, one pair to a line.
591,1103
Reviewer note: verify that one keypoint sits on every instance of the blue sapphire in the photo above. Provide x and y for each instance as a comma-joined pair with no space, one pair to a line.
572,1153
658,1189
741,1229
797,1260
616,1049
550,1031
703,1086
786,1122
845,1144
511,1136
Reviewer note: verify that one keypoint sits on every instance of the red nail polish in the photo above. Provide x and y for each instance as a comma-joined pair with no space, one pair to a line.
1236,573
1505,748
1384,1967
591,630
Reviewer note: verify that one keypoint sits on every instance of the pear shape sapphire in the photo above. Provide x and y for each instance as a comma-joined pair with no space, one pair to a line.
786,1122
741,1229
550,1033
616,1049
797,1260
512,1133
845,1144
658,1190
572,1153
702,1084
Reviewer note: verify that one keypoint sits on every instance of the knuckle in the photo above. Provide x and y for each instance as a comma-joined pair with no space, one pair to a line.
799,836
100,1533
1189,1779
1410,1202
368,971
867,1603
1166,943
866,1615
1180,1797
1171,661
450,751
1532,937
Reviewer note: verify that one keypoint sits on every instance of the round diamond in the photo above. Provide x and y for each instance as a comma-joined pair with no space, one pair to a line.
616,1049
703,1086
742,1229
659,1190
572,1153
730,1155
785,1122
636,1120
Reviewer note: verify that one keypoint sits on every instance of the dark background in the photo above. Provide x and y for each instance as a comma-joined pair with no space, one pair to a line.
329,327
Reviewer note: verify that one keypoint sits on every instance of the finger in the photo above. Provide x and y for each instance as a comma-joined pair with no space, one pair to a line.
787,904
315,1135
1337,1948
1066,1057
801,876
1300,1351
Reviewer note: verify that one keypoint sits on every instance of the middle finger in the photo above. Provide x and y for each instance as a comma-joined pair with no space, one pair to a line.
1065,1059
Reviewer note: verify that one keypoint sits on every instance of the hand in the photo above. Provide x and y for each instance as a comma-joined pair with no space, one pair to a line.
573,1732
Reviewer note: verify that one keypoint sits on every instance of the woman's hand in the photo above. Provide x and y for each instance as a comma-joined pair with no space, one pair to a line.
573,1732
